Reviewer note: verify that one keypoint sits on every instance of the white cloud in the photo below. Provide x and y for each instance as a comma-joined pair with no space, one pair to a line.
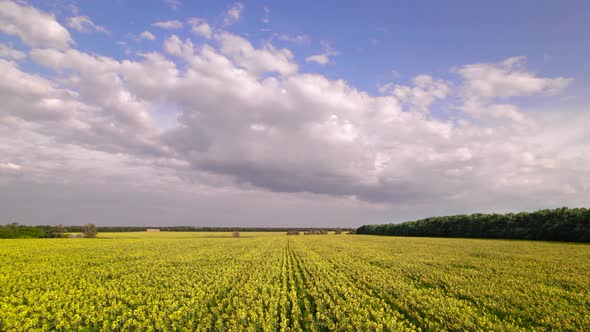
99,87
32,97
322,59
491,111
484,83
6,51
9,166
257,132
200,27
506,79
233,14
32,26
85,24
174,46
421,96
297,39
257,61
171,25
147,35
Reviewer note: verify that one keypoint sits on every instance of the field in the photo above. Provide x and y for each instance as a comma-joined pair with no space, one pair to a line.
269,281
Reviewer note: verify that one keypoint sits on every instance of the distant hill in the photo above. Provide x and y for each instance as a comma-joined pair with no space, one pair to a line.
563,224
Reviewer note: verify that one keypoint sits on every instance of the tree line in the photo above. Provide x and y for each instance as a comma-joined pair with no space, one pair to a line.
562,224
16,231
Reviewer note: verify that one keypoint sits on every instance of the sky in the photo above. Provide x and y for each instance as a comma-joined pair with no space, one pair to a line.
290,114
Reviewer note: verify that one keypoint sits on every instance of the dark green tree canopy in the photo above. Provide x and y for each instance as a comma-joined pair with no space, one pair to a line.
562,224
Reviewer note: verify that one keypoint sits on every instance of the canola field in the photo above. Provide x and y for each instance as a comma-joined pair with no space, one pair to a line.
274,282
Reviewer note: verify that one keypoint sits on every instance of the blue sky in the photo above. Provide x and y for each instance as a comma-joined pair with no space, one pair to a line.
372,39
291,113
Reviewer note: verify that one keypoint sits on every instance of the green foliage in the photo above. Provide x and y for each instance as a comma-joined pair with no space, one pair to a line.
13,231
16,231
273,282
58,231
89,230
563,224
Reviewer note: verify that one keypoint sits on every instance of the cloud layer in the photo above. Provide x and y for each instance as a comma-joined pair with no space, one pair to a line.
85,24
224,119
33,27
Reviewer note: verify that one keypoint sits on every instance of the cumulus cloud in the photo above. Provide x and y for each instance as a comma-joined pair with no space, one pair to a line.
373,148
233,14
506,79
32,26
32,97
483,84
170,25
256,131
147,35
256,61
200,27
103,110
85,24
322,58
424,92
6,51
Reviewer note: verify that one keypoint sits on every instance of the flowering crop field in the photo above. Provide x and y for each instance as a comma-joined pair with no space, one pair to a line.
274,282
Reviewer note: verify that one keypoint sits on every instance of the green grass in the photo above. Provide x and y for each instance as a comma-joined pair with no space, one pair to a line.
271,281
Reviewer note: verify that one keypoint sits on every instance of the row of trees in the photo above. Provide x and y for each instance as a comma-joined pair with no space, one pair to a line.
244,229
16,231
109,229
563,224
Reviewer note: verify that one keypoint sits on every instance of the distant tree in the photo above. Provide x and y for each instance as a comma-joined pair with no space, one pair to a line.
56,231
9,231
560,224
14,229
89,230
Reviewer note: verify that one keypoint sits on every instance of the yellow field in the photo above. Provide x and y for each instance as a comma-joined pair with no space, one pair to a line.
270,281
